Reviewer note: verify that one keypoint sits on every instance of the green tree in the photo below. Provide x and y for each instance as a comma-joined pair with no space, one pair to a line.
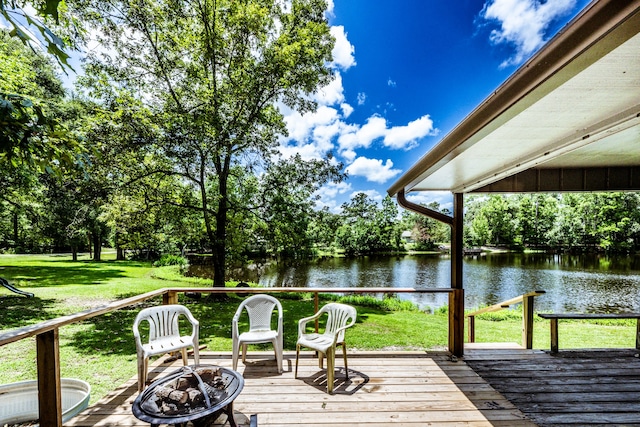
386,220
211,72
21,210
31,143
476,227
368,228
536,217
428,232
323,227
615,224
287,200
492,220
31,130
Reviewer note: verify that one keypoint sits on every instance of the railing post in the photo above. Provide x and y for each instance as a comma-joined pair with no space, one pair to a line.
527,321
456,322
471,333
49,388
171,297
553,324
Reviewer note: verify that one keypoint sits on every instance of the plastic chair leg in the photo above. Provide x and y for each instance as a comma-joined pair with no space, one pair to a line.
331,362
344,355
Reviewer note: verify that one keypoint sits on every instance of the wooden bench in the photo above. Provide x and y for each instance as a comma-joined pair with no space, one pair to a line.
553,317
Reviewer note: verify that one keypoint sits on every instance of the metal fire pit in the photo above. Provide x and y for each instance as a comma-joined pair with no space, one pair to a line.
215,396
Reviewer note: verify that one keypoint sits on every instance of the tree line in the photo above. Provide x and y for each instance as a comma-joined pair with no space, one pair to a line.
569,221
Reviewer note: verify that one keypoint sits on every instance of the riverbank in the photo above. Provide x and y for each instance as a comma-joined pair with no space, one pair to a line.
62,286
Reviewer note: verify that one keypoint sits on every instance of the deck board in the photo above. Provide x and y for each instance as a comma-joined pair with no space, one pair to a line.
570,388
399,388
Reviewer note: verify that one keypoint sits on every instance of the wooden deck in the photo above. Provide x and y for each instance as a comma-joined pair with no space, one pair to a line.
570,388
399,388
492,386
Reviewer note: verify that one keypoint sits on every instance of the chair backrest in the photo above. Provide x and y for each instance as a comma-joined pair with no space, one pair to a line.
260,310
338,316
163,320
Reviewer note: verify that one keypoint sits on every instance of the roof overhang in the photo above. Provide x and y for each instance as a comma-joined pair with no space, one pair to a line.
567,120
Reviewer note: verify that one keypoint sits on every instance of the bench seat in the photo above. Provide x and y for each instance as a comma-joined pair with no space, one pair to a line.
554,317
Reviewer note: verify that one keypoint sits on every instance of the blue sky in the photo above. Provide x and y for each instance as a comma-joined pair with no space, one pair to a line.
409,71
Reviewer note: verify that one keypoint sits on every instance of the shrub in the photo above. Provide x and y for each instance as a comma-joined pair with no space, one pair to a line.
168,259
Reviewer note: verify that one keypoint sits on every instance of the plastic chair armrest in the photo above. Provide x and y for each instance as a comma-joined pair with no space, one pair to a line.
339,330
302,323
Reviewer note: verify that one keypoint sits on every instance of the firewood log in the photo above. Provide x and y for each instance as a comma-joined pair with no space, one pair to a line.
195,396
177,396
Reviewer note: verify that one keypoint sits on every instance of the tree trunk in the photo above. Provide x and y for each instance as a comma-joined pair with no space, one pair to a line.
16,234
119,251
219,245
217,237
74,253
97,245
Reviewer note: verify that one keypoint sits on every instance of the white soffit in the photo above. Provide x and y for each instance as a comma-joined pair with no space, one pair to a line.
586,114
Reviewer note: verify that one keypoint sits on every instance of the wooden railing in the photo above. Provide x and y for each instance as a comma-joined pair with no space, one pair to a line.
47,333
527,316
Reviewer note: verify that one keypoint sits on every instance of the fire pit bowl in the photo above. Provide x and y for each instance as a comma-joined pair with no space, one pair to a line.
196,394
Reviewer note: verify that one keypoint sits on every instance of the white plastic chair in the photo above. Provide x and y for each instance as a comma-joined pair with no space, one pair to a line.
164,336
339,318
260,310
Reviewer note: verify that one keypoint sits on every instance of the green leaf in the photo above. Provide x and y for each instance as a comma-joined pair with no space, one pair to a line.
50,8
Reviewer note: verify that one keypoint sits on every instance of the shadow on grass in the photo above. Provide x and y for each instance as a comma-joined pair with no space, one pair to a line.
60,272
18,311
109,334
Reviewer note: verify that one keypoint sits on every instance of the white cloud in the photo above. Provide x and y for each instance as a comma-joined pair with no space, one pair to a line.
397,137
300,126
346,109
343,50
523,23
311,135
349,155
306,151
330,7
362,98
391,83
373,169
375,127
406,137
331,94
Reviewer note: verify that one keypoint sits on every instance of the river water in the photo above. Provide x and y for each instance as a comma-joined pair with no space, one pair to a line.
581,283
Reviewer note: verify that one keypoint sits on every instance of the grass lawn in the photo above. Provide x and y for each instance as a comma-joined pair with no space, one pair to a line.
102,352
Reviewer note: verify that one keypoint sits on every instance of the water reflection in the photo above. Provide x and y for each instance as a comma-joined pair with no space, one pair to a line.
590,283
